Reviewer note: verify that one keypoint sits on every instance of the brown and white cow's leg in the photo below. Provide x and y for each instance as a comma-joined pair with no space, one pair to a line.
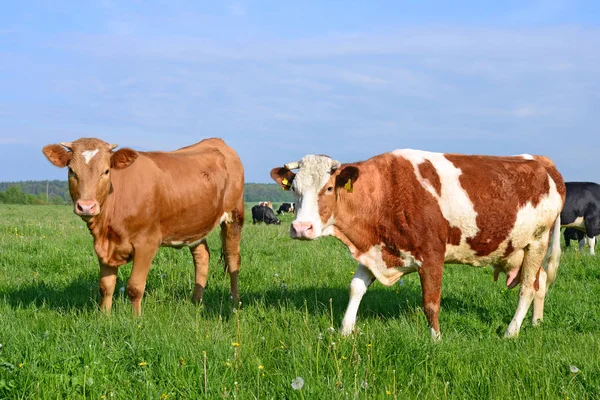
358,287
142,260
201,256
532,261
231,235
431,285
544,278
108,280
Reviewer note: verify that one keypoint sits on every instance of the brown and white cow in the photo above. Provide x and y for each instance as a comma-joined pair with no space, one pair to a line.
134,202
411,210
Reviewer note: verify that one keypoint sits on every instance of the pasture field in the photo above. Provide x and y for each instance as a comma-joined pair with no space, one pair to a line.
57,345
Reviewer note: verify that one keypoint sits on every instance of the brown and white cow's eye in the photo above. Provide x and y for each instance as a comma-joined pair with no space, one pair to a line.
330,189
106,172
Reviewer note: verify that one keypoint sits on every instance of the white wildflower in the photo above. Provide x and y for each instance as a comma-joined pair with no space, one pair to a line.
297,383
122,290
574,369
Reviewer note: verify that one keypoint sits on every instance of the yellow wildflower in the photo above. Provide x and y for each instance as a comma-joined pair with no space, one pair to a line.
235,344
143,364
227,364
164,396
21,365
181,361
261,367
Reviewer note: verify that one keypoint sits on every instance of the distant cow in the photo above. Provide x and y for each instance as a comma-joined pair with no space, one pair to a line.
582,209
411,210
286,208
133,202
264,214
266,204
574,234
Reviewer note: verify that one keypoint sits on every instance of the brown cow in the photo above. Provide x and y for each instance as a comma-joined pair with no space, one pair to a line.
134,202
411,210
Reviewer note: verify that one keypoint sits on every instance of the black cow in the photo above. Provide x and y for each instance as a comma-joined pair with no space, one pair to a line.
582,209
264,214
286,207
574,234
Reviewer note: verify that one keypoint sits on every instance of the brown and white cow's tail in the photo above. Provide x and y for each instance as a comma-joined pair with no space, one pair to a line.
552,258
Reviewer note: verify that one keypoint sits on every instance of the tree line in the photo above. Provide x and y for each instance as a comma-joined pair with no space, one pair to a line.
57,192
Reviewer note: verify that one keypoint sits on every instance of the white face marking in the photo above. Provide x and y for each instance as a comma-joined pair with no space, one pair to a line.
88,155
313,174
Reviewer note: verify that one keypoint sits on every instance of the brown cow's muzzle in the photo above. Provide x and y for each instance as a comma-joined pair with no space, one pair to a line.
87,208
302,230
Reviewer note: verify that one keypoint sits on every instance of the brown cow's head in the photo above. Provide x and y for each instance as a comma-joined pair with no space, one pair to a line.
316,188
90,162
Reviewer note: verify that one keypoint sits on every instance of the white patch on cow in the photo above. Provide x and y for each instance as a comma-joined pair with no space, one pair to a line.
578,223
182,243
329,228
454,201
373,260
226,217
88,155
313,174
592,244
358,287
526,156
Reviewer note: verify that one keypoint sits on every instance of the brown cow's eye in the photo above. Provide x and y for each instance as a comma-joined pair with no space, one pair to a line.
330,189
106,172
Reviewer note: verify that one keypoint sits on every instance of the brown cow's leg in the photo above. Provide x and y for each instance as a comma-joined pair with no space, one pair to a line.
108,280
431,286
142,260
231,235
201,255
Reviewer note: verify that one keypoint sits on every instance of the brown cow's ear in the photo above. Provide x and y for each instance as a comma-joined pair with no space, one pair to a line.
57,155
347,177
123,158
283,176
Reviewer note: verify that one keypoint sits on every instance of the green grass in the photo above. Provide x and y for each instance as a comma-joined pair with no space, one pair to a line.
57,345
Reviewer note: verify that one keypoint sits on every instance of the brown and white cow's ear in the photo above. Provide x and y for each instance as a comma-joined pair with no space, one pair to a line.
57,155
283,176
123,158
347,177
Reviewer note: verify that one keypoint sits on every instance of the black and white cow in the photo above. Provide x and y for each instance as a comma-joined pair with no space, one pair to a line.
286,207
264,214
574,234
582,209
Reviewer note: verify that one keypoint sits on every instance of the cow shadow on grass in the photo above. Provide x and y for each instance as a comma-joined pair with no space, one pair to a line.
80,294
378,303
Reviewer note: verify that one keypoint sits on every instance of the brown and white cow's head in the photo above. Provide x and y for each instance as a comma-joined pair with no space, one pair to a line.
90,162
316,188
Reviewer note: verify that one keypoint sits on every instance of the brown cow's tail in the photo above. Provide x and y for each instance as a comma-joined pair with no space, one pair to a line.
552,258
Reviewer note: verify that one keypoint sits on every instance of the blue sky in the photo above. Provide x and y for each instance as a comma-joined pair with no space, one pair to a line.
278,80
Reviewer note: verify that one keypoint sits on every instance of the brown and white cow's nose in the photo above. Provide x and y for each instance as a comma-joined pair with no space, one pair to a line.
86,207
301,230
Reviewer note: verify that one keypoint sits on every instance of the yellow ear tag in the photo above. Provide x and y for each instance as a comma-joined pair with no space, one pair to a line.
348,186
286,184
